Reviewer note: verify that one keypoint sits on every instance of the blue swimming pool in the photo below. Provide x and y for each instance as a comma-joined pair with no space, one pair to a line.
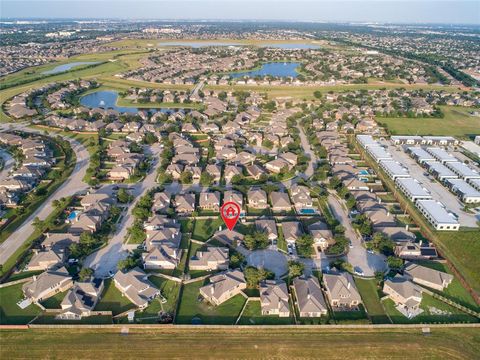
307,211
72,216
363,172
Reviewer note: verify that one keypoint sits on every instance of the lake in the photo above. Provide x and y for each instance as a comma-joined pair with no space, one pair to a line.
69,66
275,69
107,99
197,44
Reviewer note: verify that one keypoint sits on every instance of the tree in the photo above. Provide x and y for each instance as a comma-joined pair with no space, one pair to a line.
123,196
317,94
257,240
85,274
394,263
206,179
295,269
305,245
236,259
149,138
254,276
38,224
127,264
186,177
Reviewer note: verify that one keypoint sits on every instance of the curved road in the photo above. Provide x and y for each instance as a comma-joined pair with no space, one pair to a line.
106,259
7,164
72,185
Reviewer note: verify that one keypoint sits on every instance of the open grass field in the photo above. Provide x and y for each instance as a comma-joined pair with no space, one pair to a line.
462,248
191,307
457,122
272,343
370,297
10,313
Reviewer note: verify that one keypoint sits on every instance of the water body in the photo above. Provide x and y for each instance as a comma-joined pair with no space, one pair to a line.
107,99
197,44
291,46
275,69
69,66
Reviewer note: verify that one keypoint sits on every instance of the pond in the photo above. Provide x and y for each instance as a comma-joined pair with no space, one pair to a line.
69,66
197,44
107,99
275,69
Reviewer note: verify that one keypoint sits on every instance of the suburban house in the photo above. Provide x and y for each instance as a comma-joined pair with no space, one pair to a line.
209,201
257,198
232,238
47,284
184,203
213,258
425,276
269,227
161,257
274,298
81,300
136,287
280,201
291,231
43,260
341,291
309,297
224,286
405,294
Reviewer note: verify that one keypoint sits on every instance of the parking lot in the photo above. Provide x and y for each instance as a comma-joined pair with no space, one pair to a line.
437,190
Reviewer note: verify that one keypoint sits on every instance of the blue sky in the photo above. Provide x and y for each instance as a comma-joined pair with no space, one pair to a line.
407,11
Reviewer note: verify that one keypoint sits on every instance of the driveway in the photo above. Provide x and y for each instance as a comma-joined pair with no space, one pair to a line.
106,259
74,184
357,255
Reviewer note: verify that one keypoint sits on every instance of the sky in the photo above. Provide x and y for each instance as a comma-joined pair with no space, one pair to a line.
385,11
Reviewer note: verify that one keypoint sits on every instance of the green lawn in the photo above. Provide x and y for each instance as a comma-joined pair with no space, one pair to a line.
369,292
351,317
191,307
252,315
205,228
10,313
455,291
23,275
54,301
462,248
457,122
113,300
428,304
170,291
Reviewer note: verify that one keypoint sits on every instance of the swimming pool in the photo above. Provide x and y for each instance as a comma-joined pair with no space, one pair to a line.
364,172
307,211
72,216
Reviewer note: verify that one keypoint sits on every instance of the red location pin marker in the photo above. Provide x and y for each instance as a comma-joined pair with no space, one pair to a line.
230,212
